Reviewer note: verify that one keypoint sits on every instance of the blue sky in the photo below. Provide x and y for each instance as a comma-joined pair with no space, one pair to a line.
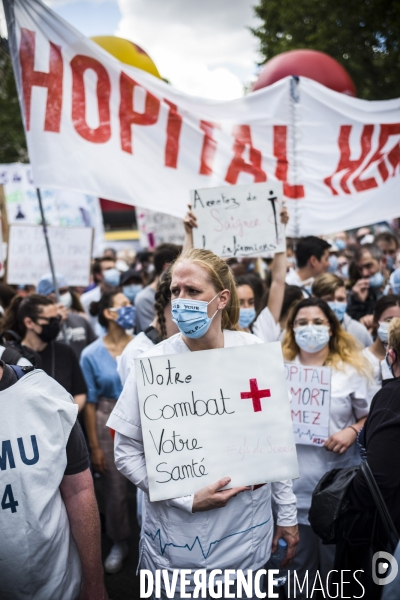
203,47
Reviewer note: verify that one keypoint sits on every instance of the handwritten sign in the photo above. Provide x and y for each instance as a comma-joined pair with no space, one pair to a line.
310,390
217,413
27,260
240,220
158,228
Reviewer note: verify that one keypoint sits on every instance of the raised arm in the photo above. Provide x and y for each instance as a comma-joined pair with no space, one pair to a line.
189,222
278,272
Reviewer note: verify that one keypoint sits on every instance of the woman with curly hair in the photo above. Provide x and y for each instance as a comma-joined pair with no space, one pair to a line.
315,338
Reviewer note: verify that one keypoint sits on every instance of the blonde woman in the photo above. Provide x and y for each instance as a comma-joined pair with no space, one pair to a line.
314,337
234,525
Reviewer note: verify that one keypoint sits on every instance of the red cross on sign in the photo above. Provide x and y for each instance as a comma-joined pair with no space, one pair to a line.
255,394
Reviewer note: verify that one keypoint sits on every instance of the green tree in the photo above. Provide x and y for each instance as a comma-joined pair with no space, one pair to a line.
12,135
362,35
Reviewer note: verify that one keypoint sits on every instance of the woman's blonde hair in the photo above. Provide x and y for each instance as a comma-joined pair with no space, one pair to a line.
221,278
394,335
343,347
326,284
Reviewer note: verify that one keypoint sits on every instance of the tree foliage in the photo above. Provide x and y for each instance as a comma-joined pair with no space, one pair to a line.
12,135
362,35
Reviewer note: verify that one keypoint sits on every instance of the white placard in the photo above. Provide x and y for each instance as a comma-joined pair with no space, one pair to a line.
200,424
310,391
240,220
27,260
159,228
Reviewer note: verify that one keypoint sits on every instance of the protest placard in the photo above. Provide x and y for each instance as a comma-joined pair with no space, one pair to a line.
62,207
310,391
240,220
159,228
27,260
212,414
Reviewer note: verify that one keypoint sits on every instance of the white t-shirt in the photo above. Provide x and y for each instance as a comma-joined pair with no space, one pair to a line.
292,278
266,328
349,402
380,371
237,536
135,348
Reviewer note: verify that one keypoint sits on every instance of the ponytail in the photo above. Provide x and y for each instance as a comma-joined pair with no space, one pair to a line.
162,299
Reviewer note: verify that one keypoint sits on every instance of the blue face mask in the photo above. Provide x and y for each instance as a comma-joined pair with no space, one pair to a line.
247,316
333,264
341,244
344,270
395,282
126,316
312,338
339,308
131,291
111,277
191,316
389,262
376,280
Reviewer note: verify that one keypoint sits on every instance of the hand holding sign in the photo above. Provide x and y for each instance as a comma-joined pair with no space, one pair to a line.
213,496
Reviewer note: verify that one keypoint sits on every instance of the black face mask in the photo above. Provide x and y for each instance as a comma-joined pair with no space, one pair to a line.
51,330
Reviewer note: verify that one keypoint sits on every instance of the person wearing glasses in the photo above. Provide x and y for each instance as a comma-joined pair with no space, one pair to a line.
314,337
35,319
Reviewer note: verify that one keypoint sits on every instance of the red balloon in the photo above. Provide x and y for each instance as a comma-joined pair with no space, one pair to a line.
307,63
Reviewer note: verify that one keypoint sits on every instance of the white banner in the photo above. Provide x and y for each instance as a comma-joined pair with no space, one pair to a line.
27,259
240,220
200,424
310,392
62,208
100,127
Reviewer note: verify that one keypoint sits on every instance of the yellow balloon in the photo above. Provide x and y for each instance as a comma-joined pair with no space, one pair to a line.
127,52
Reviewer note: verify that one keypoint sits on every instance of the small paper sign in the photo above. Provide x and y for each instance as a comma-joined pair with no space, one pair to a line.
239,220
310,391
213,414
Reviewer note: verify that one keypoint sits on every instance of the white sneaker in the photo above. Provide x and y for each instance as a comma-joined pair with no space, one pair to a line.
115,559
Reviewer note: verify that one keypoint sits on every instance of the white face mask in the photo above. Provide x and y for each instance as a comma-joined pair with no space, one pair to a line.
312,338
383,330
66,299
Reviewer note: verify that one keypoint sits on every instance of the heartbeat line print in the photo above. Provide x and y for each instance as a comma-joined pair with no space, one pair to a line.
196,540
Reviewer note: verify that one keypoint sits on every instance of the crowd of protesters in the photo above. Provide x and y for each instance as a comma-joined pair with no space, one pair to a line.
330,302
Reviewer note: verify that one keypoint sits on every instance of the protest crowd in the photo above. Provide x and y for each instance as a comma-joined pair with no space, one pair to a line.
329,302
226,409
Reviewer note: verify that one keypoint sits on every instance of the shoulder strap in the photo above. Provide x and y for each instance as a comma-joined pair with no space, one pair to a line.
153,335
18,371
380,503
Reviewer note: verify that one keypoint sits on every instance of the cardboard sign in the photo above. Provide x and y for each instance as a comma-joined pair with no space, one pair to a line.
158,228
27,260
310,391
240,220
213,414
